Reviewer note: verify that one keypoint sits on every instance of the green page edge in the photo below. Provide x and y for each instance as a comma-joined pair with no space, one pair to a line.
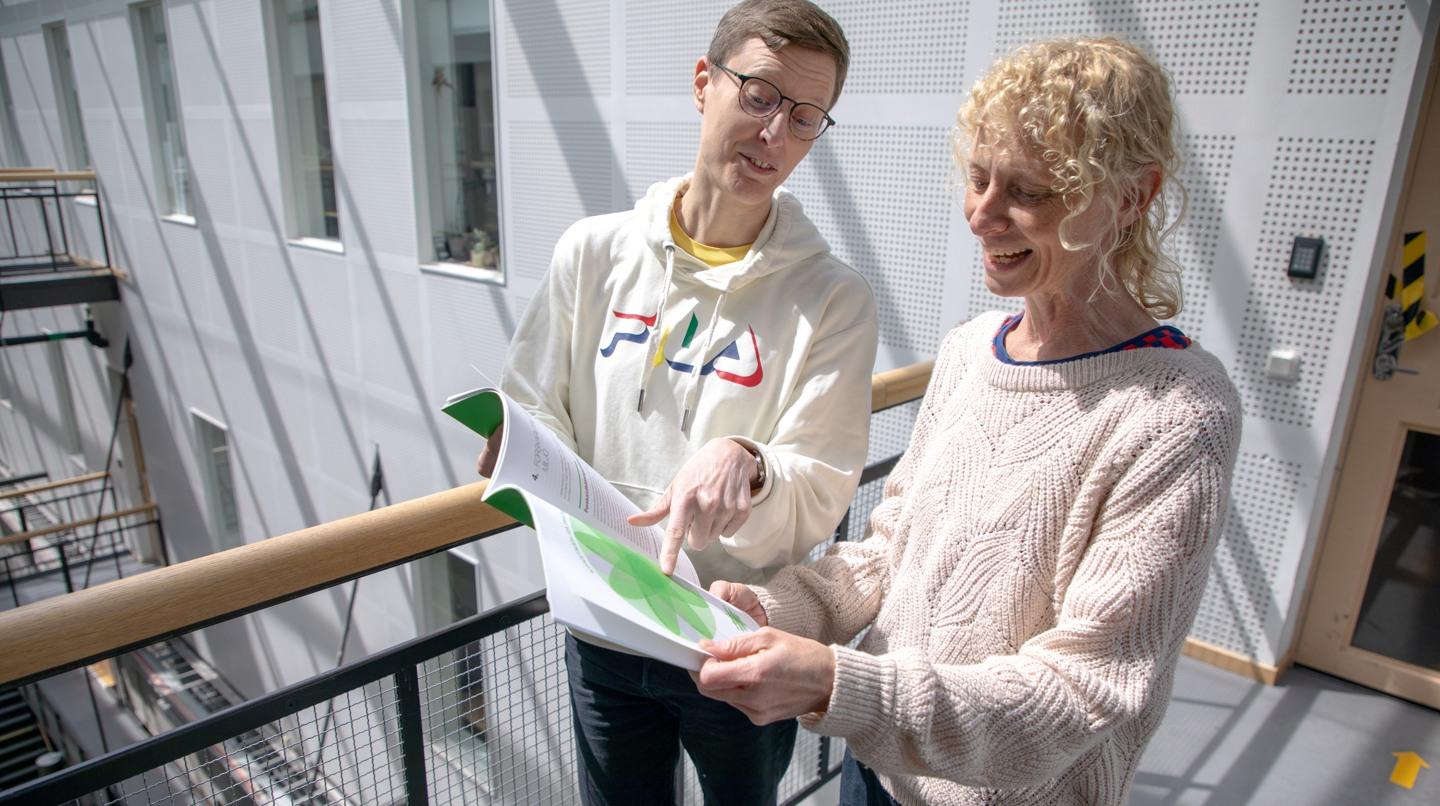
481,413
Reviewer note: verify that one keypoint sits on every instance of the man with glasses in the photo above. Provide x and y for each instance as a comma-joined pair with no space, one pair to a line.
709,356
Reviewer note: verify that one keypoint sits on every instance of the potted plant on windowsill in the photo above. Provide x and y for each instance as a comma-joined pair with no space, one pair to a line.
458,244
484,251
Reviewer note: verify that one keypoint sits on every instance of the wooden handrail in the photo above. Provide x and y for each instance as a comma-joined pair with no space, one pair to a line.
68,631
62,633
901,385
51,485
35,174
8,540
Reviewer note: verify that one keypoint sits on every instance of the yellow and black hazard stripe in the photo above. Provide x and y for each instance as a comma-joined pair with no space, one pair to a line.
1412,287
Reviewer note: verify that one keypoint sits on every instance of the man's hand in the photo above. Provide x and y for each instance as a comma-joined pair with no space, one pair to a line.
709,497
769,675
485,462
742,598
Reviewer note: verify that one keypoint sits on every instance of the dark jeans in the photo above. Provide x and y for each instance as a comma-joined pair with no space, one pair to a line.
632,715
859,785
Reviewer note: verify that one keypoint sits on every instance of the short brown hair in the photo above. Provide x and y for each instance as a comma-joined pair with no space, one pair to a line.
779,23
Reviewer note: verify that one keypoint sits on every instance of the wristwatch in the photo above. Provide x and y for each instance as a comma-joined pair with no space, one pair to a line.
760,474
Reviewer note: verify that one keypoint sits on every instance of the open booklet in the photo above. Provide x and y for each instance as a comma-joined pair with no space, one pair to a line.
602,575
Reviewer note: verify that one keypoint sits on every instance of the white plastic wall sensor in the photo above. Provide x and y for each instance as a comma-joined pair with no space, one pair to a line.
1283,363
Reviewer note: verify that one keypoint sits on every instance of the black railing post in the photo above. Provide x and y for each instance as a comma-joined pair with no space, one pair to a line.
412,743
65,566
60,217
824,756
49,236
10,222
100,217
10,579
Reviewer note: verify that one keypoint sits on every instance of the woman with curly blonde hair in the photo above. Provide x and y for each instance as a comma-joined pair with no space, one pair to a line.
1041,549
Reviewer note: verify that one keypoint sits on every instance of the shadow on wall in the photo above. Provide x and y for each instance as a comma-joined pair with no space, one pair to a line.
1238,558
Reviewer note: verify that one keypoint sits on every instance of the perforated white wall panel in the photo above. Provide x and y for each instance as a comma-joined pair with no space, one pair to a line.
1316,187
1241,607
886,217
1205,175
655,151
558,48
660,43
560,172
904,47
1346,47
1206,46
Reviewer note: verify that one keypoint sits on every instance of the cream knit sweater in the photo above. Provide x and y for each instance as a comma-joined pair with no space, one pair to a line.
1030,575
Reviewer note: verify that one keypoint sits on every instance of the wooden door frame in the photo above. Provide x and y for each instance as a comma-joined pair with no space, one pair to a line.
1316,643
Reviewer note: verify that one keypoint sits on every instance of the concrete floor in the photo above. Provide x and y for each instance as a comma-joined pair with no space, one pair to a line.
1313,740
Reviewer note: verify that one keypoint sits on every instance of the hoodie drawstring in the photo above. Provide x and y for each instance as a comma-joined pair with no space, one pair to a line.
650,343
692,392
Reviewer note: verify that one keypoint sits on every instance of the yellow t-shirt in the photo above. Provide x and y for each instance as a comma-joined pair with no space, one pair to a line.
711,256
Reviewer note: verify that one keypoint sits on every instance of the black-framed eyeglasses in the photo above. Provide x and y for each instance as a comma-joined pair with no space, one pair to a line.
759,98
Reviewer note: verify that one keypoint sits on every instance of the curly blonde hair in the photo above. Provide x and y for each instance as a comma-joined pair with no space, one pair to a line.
1098,113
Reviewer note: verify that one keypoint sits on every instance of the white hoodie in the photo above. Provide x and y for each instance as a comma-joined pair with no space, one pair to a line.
775,349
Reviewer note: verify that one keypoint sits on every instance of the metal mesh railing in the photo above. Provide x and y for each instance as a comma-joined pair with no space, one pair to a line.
478,713
34,234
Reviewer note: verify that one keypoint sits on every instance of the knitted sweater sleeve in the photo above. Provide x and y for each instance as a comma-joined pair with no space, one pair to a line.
537,367
833,599
1021,719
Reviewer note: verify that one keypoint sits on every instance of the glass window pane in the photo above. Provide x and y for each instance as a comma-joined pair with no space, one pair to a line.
1397,615
214,448
64,399
167,143
67,98
14,147
456,52
305,119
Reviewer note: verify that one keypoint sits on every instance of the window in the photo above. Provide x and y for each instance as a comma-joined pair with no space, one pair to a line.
458,113
213,443
64,398
6,383
67,100
167,143
9,133
307,163
450,593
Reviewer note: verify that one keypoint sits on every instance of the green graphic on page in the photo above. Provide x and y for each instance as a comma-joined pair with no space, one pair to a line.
640,582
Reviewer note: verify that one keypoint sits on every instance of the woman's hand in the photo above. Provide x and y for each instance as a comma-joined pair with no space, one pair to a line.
742,598
709,497
485,462
769,675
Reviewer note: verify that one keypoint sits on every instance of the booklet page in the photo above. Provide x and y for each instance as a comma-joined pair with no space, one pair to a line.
533,459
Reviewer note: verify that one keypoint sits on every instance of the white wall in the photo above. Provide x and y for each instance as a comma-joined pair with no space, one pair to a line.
313,358
1293,117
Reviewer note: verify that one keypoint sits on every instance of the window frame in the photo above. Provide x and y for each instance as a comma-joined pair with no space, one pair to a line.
299,220
223,535
427,190
179,202
14,145
77,154
72,445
